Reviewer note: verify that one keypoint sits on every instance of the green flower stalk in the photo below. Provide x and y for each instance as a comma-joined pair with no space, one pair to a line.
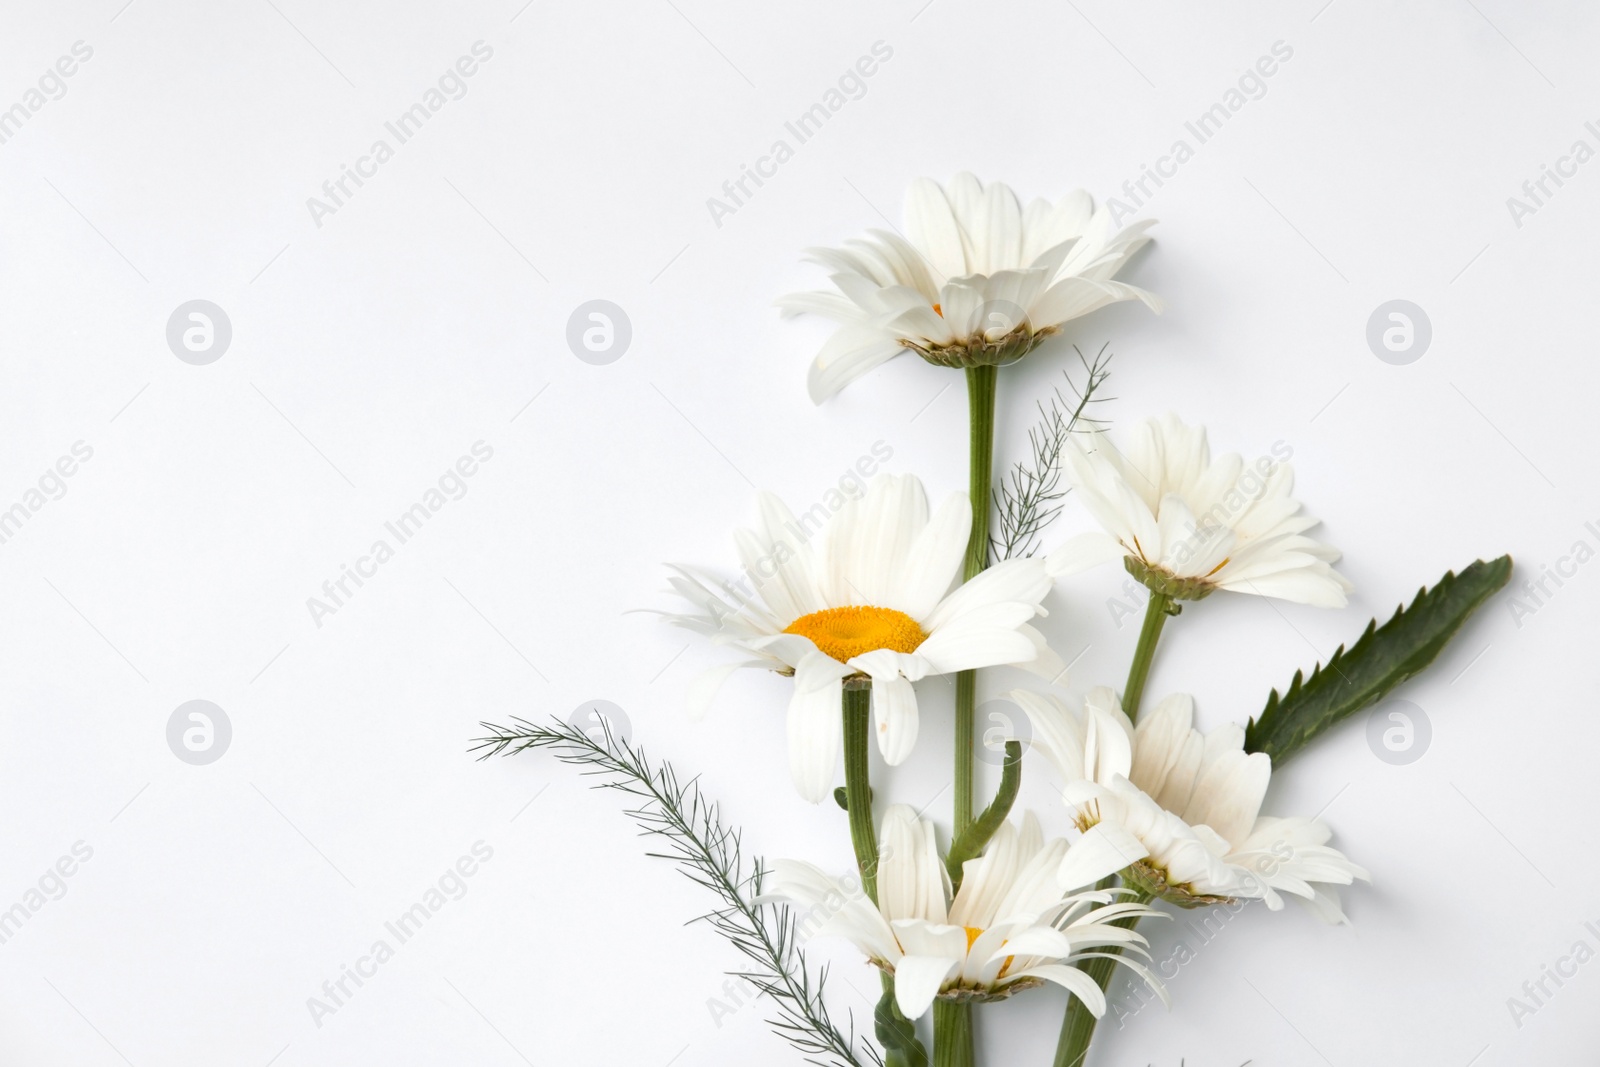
981,388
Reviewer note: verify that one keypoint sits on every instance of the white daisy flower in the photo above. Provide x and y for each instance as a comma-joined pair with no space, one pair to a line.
977,280
1181,809
1186,525
1008,928
866,604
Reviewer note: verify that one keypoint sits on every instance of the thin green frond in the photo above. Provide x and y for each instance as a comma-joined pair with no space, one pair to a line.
1029,498
710,854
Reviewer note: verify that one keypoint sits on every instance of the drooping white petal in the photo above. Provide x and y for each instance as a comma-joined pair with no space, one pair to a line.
1107,737
846,912
894,717
1046,663
1074,981
850,353
816,729
917,980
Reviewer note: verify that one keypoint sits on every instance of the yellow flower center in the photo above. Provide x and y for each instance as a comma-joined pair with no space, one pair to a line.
844,633
973,933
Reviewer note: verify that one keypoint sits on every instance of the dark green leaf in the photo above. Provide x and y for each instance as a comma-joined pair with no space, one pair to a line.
970,843
1384,657
897,1034
839,797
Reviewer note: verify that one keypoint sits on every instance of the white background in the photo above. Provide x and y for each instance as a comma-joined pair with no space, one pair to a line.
371,351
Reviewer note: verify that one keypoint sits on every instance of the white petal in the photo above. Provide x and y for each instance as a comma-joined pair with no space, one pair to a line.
1046,663
911,878
1010,580
894,714
1158,743
1002,217
1057,733
931,227
985,880
917,980
1228,794
816,726
971,649
1074,981
819,302
1037,941
1105,849
850,353
926,573
1107,736
885,527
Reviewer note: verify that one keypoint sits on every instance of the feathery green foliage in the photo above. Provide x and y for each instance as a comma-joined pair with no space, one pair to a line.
708,852
1029,497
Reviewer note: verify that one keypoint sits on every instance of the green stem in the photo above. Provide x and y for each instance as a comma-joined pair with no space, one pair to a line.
897,1033
981,382
952,1034
1077,1029
857,708
952,1020
1156,611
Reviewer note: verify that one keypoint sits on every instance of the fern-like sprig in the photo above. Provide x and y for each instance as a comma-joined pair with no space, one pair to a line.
709,853
1029,498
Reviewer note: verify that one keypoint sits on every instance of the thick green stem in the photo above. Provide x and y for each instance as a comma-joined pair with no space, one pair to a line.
857,707
952,1034
897,1033
966,727
1156,611
1077,1029
981,382
952,1021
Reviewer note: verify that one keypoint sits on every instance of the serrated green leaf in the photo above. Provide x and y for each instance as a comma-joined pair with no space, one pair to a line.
1384,657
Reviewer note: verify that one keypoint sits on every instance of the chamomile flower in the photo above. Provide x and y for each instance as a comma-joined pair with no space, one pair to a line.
1008,928
977,280
1181,809
1187,525
862,596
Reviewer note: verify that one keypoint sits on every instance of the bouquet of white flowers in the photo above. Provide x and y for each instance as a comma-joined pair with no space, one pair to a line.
888,592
